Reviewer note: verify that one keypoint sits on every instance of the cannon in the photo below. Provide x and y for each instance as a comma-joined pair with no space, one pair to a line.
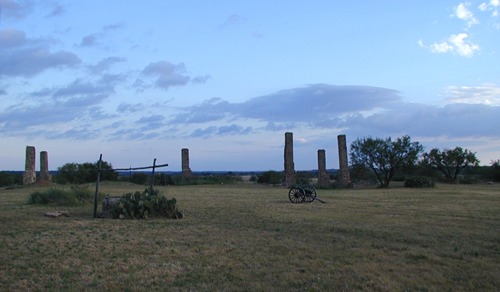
303,194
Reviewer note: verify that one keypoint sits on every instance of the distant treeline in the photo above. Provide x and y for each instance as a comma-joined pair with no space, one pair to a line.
87,173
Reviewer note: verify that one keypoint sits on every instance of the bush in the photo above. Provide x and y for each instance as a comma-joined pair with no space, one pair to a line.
58,197
419,182
139,178
83,194
495,171
270,177
162,179
303,177
10,179
145,205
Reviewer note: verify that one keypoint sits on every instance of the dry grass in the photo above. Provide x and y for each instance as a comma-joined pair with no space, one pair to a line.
249,237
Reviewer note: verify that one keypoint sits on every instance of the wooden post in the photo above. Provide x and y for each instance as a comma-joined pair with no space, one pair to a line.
96,195
153,176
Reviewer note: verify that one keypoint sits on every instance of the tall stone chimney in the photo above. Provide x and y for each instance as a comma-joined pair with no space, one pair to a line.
323,176
44,167
29,175
289,166
186,171
345,177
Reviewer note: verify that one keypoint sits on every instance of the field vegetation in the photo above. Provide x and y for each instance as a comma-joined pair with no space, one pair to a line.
250,237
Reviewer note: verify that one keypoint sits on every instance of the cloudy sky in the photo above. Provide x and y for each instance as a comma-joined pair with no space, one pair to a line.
138,80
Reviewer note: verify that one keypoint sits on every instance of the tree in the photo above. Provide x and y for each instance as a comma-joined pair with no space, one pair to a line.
450,161
77,173
495,170
385,157
9,179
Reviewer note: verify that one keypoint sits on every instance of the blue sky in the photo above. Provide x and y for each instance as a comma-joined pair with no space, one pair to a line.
137,80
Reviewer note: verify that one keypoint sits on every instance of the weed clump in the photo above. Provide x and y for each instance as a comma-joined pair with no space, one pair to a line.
149,203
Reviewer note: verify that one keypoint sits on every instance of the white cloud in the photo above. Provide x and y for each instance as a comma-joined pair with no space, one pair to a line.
443,47
456,43
462,46
460,43
462,12
488,94
492,6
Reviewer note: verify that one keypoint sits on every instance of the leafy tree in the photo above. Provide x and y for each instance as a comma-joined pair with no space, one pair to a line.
450,162
77,173
68,173
385,157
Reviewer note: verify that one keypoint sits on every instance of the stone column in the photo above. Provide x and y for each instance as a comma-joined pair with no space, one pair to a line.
29,175
323,176
345,177
289,166
44,167
186,171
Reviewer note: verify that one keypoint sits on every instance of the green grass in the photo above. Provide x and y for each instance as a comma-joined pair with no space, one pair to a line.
248,237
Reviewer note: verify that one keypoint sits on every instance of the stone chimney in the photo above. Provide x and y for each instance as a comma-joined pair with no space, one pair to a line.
345,177
44,167
29,175
323,176
289,166
186,171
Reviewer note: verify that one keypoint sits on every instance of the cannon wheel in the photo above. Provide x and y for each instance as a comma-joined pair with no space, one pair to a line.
309,194
296,195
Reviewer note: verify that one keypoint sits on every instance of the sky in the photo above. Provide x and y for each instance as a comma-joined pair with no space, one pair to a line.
139,80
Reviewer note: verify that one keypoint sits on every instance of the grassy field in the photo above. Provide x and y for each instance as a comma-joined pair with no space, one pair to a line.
249,237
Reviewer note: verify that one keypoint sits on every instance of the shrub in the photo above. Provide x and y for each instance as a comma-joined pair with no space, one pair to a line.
53,197
419,182
162,179
139,178
83,194
270,177
144,205
303,177
76,196
10,179
495,170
